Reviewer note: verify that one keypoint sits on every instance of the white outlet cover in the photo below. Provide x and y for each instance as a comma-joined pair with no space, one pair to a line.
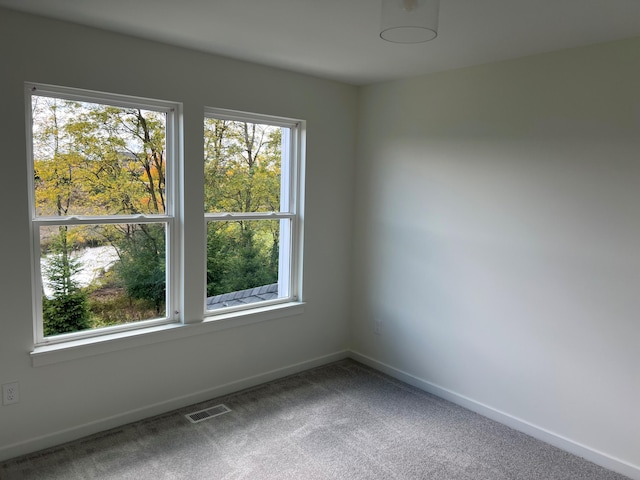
10,393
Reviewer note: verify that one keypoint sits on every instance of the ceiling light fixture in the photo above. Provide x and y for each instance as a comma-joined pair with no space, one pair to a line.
409,21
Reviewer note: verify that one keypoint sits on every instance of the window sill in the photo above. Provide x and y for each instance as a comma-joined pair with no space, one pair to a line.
76,349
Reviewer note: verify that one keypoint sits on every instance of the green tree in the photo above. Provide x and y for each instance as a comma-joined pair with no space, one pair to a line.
242,174
251,266
93,159
142,266
67,311
218,261
56,192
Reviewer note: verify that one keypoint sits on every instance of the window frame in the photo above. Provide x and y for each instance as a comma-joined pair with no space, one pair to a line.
291,192
171,217
180,321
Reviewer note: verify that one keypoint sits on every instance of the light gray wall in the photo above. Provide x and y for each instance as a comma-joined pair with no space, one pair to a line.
73,394
498,240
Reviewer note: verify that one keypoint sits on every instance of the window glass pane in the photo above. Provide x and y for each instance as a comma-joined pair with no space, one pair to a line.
244,261
242,166
96,159
102,275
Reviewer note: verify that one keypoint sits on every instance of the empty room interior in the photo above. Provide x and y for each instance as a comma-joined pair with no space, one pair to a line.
461,214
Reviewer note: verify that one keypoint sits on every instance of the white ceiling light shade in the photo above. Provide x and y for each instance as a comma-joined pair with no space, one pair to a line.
409,21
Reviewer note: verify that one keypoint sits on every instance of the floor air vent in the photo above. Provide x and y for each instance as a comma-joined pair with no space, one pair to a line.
207,413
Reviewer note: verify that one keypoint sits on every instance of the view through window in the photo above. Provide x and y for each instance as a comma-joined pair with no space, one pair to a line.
104,189
101,211
249,208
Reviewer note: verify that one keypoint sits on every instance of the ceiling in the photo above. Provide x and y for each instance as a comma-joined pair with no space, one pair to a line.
339,39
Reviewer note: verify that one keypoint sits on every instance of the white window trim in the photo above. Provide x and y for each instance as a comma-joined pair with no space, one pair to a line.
173,111
80,345
291,191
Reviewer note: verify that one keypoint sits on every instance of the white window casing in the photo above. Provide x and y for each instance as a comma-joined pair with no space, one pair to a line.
68,346
290,213
172,111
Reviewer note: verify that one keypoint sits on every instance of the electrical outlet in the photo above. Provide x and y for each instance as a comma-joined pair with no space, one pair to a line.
10,393
377,326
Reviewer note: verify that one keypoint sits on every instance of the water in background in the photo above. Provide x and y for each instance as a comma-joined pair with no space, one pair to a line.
94,262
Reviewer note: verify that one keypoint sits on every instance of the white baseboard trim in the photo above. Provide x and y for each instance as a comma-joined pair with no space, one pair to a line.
563,443
79,431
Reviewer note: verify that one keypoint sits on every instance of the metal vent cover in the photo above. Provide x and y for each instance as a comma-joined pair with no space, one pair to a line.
207,413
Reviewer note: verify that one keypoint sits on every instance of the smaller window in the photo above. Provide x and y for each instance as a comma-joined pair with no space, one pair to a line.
102,212
251,170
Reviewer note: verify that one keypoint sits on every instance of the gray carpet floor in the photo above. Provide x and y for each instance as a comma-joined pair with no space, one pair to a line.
340,421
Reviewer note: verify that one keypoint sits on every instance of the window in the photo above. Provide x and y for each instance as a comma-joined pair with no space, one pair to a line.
108,239
251,168
103,209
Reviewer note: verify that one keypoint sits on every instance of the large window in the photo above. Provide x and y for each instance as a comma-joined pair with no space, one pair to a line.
251,211
109,241
102,205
